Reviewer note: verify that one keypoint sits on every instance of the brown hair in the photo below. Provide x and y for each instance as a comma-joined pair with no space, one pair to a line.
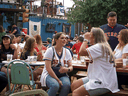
111,14
29,45
124,38
38,39
1,29
124,35
57,36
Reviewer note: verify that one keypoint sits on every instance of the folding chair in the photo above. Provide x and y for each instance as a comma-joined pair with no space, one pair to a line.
30,93
20,74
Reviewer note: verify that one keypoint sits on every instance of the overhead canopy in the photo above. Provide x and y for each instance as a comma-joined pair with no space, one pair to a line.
11,10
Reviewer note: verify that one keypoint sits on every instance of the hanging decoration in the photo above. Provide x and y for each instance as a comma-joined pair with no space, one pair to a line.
34,28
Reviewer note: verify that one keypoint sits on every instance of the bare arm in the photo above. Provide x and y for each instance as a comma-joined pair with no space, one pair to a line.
14,31
123,57
83,51
66,69
15,51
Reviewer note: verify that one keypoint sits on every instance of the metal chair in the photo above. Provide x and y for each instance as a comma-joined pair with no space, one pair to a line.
20,74
30,92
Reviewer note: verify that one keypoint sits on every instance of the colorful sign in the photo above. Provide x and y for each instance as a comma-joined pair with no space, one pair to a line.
60,10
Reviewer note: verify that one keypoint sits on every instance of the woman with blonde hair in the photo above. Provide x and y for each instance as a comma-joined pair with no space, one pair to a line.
101,77
120,53
39,47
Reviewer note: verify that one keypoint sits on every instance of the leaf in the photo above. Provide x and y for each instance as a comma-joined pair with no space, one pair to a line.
95,11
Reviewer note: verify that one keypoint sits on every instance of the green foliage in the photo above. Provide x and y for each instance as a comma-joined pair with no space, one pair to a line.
95,12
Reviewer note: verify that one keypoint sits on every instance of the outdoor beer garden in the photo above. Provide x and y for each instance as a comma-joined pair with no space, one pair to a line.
63,48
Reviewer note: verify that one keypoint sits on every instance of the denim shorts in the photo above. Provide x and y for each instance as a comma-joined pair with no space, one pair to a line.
94,92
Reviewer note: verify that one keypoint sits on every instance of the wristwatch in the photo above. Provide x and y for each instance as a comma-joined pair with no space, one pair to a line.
68,69
85,40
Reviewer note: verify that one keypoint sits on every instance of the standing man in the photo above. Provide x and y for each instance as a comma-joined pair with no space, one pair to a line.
112,29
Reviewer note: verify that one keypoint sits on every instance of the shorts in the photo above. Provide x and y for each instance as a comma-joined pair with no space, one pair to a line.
94,92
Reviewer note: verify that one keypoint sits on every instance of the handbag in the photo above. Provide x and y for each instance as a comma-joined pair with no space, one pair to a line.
57,68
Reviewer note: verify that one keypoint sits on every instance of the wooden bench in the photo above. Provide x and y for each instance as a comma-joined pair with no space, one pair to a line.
80,74
120,93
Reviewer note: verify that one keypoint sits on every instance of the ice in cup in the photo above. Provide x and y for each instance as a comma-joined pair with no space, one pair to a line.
125,61
43,51
34,58
30,59
82,59
75,57
9,57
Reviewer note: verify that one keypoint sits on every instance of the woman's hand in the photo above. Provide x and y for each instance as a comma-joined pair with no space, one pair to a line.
87,35
63,69
60,83
13,46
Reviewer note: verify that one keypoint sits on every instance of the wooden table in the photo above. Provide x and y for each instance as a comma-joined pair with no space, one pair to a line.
37,63
82,67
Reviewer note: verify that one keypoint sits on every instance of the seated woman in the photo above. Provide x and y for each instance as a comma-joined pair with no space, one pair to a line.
120,53
101,77
54,57
40,48
29,50
7,48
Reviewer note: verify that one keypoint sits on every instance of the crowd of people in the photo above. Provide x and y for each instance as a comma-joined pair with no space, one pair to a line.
109,44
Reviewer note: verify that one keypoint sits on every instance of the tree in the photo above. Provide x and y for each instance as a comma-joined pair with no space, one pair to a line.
95,12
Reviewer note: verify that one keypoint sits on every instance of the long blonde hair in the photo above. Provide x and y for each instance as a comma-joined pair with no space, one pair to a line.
99,37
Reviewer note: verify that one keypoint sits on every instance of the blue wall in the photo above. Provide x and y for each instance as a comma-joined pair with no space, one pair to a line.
44,22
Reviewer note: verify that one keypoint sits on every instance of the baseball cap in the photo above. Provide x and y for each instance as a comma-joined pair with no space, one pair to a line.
67,36
6,36
49,40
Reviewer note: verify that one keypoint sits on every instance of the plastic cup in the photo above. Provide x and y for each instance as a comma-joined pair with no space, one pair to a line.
82,59
34,58
125,62
30,59
75,57
9,57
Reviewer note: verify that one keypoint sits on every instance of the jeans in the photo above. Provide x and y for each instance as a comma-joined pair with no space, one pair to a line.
3,80
54,86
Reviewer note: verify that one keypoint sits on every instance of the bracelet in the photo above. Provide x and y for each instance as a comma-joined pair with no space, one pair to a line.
85,40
